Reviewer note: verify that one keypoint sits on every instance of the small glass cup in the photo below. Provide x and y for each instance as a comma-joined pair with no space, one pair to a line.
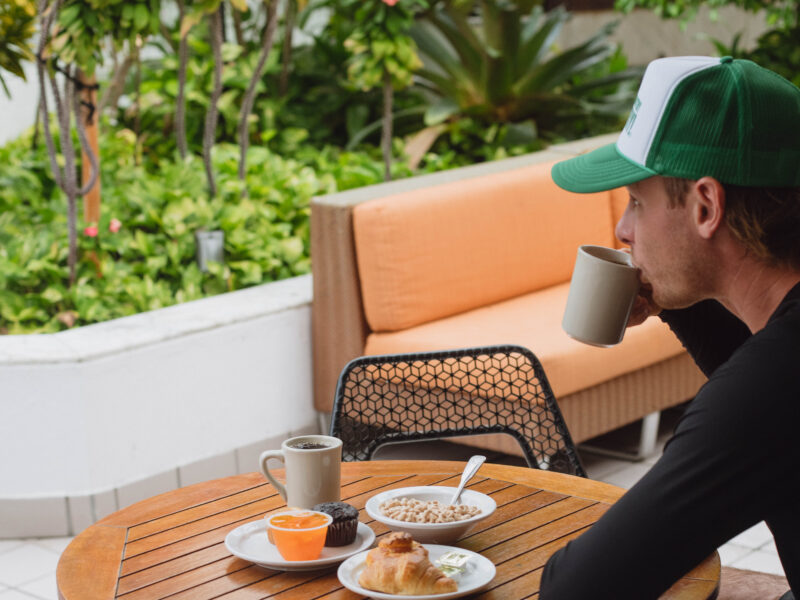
298,534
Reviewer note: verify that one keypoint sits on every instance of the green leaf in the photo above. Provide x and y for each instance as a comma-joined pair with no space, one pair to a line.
440,111
432,46
141,17
231,52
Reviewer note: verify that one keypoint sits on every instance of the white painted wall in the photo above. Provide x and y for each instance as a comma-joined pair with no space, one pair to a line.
19,112
105,405
644,36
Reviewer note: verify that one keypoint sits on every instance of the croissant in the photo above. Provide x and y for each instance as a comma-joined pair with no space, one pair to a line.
399,565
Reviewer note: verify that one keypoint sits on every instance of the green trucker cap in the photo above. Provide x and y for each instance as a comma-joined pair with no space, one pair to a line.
697,116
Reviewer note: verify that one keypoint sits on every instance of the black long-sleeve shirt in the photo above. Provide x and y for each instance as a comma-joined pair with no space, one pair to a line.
732,462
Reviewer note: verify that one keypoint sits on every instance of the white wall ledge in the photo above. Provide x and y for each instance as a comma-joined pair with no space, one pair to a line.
136,331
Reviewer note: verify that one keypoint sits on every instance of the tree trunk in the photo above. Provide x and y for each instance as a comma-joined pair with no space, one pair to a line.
37,121
386,129
237,27
250,94
64,103
114,90
210,129
89,117
286,55
180,101
137,119
223,28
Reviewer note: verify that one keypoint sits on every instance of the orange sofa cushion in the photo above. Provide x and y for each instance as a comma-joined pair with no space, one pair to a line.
534,321
439,251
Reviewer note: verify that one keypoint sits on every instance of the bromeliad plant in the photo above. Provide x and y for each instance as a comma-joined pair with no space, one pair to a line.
495,61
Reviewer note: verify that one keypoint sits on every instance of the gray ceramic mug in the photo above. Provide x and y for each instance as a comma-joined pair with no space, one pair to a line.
313,470
603,288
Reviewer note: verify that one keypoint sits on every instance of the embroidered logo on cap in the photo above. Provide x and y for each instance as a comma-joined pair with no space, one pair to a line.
632,118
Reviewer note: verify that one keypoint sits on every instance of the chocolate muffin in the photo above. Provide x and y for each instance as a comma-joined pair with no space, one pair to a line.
343,528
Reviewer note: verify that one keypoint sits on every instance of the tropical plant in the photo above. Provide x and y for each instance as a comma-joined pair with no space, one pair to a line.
17,19
496,62
382,53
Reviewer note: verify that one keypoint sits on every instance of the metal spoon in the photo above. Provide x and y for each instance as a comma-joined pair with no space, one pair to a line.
473,464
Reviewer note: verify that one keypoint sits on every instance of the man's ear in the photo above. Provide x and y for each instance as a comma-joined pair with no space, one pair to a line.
708,211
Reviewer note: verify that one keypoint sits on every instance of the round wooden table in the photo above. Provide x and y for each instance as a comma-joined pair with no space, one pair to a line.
173,544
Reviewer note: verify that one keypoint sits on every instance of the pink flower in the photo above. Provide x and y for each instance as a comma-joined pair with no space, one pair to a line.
390,2
91,231
115,225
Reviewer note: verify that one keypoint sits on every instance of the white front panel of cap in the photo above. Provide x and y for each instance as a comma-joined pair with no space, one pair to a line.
660,79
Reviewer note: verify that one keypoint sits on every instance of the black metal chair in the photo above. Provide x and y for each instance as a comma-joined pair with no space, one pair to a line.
432,395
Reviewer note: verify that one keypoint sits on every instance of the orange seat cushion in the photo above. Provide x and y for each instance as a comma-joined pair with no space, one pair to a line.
439,251
534,321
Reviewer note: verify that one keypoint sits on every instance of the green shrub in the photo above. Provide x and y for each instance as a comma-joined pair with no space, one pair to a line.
150,262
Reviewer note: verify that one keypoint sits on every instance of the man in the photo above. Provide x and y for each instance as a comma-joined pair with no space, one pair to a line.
711,159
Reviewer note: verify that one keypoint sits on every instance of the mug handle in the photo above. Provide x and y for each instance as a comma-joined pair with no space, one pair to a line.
265,456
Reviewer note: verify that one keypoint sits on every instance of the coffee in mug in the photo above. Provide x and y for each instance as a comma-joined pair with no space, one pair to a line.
313,470
601,294
308,446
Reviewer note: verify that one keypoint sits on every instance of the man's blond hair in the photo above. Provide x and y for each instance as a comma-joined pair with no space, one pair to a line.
765,220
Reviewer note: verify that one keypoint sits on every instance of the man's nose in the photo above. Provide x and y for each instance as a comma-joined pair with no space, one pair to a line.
623,230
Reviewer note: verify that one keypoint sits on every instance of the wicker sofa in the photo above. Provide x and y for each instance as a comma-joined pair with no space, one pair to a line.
479,256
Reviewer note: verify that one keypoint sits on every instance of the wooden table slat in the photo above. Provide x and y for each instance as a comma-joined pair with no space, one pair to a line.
177,549
173,567
221,586
180,499
508,571
518,507
203,511
243,514
189,579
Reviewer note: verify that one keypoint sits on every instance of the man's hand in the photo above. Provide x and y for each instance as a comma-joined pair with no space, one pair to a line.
643,306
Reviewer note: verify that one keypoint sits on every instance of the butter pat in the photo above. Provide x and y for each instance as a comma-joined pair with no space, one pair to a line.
453,559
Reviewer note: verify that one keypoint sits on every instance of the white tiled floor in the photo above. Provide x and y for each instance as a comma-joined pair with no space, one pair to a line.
27,567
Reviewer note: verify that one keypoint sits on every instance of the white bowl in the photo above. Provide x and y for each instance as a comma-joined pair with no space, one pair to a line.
432,533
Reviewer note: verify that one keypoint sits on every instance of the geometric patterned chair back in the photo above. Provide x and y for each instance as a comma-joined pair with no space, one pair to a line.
432,395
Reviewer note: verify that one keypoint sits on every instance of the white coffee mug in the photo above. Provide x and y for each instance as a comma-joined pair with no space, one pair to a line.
313,470
601,294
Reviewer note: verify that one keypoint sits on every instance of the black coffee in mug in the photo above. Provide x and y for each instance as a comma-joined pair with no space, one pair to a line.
309,446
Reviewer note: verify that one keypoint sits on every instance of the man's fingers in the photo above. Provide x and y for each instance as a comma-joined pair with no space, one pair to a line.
643,307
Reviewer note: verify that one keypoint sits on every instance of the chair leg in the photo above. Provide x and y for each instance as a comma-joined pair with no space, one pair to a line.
648,436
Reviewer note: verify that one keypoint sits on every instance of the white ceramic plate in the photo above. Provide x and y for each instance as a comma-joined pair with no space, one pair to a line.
479,572
249,542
